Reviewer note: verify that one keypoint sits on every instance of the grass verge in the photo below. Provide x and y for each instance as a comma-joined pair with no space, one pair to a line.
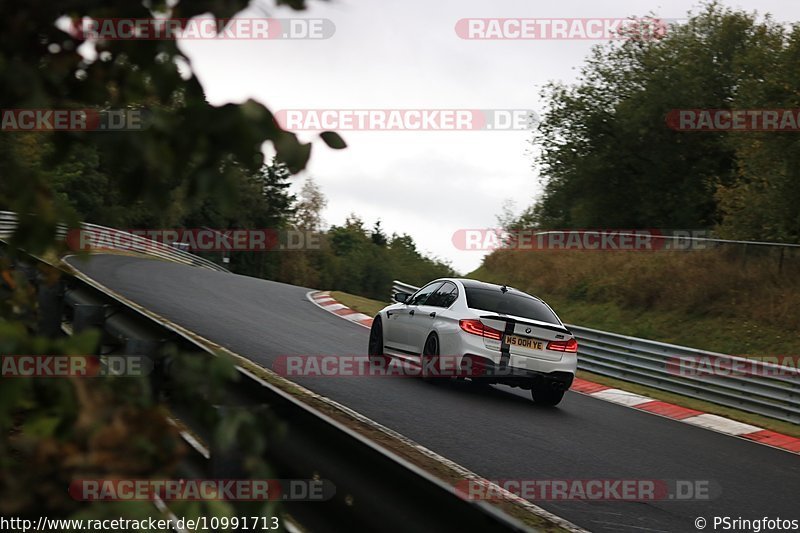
359,303
734,414
716,334
675,299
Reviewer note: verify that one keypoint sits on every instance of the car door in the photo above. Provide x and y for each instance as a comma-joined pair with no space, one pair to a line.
421,324
400,320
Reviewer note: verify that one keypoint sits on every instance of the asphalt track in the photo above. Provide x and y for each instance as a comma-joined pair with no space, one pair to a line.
498,433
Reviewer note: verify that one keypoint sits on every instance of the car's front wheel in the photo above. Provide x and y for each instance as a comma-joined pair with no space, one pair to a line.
375,347
545,395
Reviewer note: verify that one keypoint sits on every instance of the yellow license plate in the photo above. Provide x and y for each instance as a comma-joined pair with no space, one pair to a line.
524,342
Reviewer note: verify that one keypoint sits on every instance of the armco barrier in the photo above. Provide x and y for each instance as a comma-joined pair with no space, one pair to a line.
765,388
133,243
375,490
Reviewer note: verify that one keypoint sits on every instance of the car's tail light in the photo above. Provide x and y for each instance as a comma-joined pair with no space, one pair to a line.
476,327
563,346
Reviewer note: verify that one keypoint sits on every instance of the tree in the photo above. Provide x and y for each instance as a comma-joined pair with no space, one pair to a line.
308,210
52,431
378,236
410,266
763,201
607,157
188,146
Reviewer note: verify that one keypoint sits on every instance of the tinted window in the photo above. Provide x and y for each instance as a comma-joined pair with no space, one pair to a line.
509,303
444,296
421,295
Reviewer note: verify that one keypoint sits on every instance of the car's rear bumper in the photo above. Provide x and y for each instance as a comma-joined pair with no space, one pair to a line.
482,369
485,360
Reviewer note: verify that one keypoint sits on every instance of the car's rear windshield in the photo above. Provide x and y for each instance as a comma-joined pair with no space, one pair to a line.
509,303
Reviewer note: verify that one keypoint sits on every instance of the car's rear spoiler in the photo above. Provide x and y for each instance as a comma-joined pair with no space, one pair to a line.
528,322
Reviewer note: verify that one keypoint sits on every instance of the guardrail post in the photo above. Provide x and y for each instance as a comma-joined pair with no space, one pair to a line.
226,462
87,316
50,298
150,349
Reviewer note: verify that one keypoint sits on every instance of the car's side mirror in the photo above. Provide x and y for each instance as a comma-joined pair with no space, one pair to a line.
401,297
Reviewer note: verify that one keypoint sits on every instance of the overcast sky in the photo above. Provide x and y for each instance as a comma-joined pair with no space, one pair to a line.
390,54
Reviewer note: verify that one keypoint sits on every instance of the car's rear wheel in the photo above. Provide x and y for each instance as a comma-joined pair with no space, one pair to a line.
546,395
430,357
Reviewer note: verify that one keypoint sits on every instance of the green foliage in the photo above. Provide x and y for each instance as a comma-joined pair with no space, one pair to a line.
763,202
715,299
361,261
608,159
191,163
333,140
188,150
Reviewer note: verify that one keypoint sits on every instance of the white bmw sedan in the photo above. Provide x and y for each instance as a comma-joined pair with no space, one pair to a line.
488,333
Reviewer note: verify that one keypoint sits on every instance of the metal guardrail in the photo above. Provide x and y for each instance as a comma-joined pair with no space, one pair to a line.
746,384
781,252
375,490
679,238
759,387
399,286
114,239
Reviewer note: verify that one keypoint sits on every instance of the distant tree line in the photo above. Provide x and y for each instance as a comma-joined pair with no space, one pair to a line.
350,257
607,157
191,162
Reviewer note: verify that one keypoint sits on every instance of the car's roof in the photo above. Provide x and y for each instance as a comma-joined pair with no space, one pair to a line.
476,284
467,282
